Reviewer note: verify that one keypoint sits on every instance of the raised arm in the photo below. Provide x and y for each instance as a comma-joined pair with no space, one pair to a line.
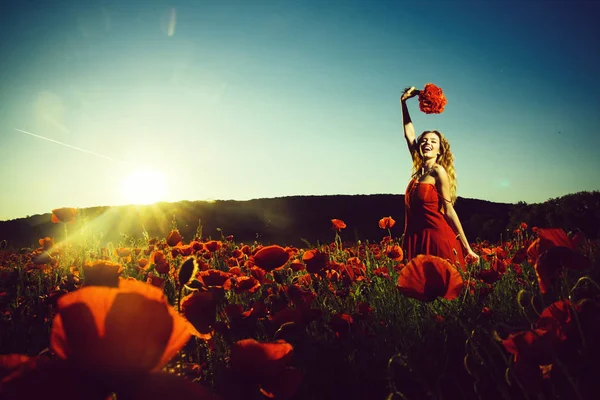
409,128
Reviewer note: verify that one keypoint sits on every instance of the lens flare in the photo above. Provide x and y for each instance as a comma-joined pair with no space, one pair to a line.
172,22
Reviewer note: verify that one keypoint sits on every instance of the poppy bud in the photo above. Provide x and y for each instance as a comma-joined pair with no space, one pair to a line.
524,298
187,270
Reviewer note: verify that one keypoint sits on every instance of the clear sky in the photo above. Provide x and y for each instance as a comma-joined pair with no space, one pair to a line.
253,99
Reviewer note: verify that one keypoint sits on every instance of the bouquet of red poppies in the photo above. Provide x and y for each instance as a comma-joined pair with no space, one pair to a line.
432,99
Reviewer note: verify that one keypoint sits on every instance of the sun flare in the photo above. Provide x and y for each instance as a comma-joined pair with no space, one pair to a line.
144,186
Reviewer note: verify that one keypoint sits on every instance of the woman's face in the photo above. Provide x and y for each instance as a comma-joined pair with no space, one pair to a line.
429,145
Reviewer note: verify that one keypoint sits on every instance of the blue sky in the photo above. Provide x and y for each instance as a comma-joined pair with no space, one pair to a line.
253,99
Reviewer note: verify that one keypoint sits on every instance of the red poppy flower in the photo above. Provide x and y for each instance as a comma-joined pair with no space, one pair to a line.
432,99
160,262
305,280
265,367
300,296
127,330
119,337
162,267
233,262
315,260
213,245
46,243
487,253
64,214
174,238
489,276
532,350
554,236
246,250
338,224
200,309
156,281
382,272
246,284
358,267
237,271
234,310
394,252
552,251
399,267
214,277
558,318
520,256
296,265
547,238
386,222
499,265
182,250
202,265
197,246
292,250
340,324
258,273
143,264
428,277
102,273
534,345
271,257
551,263
122,252
260,359
237,254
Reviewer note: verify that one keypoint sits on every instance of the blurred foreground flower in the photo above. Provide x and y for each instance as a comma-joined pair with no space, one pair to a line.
111,340
563,342
428,277
265,368
553,252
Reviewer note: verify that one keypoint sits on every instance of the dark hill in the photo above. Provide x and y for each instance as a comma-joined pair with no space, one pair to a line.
283,220
287,220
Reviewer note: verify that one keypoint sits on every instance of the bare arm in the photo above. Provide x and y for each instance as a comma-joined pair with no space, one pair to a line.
409,128
443,186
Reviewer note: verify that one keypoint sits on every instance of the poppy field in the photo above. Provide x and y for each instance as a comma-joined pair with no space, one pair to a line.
210,318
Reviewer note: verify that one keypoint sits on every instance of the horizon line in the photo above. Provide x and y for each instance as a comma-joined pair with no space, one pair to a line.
213,200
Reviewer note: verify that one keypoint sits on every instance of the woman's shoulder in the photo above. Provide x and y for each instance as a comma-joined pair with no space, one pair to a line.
440,174
439,169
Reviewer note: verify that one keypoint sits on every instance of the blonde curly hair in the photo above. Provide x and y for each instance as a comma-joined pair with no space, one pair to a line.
445,159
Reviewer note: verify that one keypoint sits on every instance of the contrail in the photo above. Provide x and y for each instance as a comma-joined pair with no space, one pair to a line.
70,146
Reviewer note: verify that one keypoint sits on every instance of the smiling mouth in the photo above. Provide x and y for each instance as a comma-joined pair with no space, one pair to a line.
427,148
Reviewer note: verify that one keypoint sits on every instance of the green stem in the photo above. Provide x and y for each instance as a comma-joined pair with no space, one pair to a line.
179,299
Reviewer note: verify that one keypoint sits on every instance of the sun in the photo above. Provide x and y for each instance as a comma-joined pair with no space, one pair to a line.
144,186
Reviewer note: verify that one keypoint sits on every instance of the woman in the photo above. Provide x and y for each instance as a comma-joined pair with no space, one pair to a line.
431,223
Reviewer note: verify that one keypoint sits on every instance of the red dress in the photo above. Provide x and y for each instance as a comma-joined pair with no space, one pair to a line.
426,231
